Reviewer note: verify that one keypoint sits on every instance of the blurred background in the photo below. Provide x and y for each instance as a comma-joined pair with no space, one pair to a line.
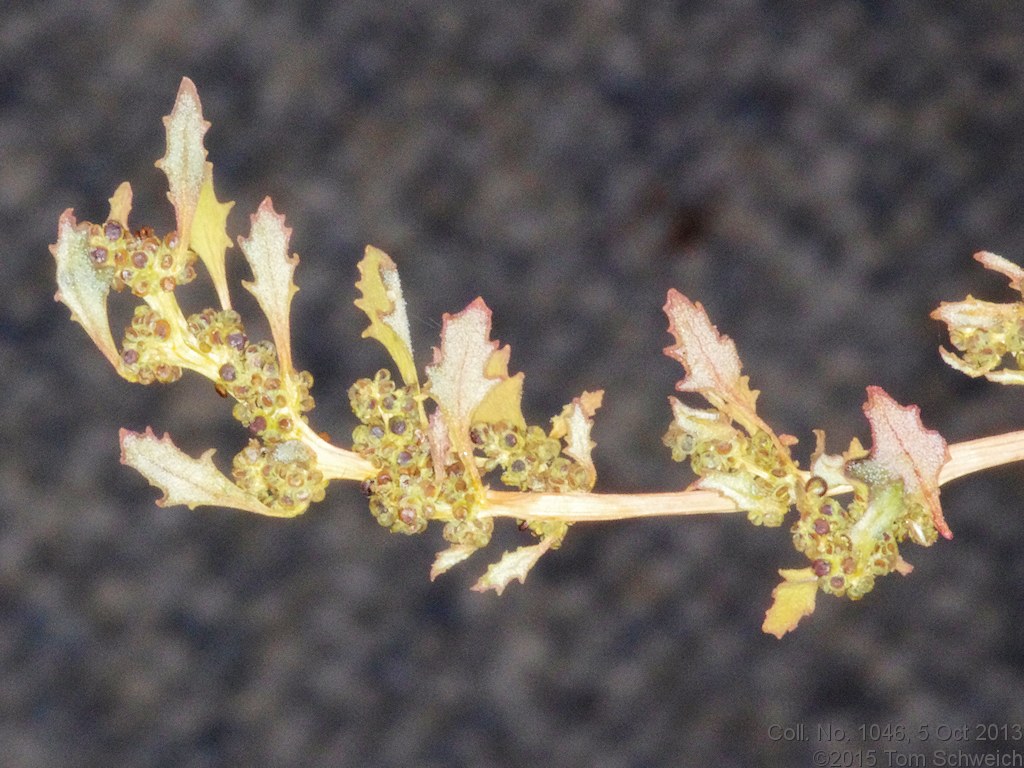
817,174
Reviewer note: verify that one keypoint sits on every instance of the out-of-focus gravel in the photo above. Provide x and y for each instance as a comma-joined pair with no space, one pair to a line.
816,174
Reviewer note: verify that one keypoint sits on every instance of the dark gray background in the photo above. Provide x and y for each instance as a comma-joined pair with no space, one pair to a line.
817,174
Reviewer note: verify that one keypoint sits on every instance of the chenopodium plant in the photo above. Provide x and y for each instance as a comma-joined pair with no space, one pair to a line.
436,447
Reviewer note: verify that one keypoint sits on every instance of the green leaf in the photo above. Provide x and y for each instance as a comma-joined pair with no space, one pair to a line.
209,236
793,599
382,301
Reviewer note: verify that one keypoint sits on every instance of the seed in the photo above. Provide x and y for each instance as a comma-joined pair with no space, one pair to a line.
518,466
407,515
397,426
511,440
130,356
816,486
113,231
258,424
139,259
821,527
367,486
237,340
228,372
836,582
403,458
821,567
98,255
162,328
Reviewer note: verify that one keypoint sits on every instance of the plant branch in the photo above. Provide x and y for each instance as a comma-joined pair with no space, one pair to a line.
966,458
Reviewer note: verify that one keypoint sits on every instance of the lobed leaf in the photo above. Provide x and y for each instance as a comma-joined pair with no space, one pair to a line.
902,445
81,288
382,301
184,163
792,599
711,362
513,565
184,480
469,377
1004,267
574,423
266,250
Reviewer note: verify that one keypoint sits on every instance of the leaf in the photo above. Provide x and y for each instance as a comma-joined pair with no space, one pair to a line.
902,445
381,299
121,204
513,565
266,250
81,287
711,363
468,367
739,488
448,558
791,600
574,423
1004,267
185,160
440,444
184,480
209,236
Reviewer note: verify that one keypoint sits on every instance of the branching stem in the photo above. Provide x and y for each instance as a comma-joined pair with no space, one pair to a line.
965,458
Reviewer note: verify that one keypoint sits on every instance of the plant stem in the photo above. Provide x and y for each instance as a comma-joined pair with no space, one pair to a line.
965,458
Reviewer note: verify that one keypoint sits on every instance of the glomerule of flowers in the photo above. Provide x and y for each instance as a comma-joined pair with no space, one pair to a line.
438,448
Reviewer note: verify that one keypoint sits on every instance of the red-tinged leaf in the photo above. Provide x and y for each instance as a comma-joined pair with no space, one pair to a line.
266,250
711,363
903,446
513,565
1003,266
792,599
185,159
81,288
184,480
469,368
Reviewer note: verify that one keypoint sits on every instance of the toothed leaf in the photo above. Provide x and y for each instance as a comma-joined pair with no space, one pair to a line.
185,159
184,480
468,367
574,424
512,565
81,287
711,363
792,599
382,301
266,250
902,445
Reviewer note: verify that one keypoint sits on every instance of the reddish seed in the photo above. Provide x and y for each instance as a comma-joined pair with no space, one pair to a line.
826,509
849,565
228,372
258,424
476,436
130,356
403,458
397,426
98,255
821,567
284,424
162,329
236,341
139,259
511,440
821,527
836,582
168,284
408,516
113,231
